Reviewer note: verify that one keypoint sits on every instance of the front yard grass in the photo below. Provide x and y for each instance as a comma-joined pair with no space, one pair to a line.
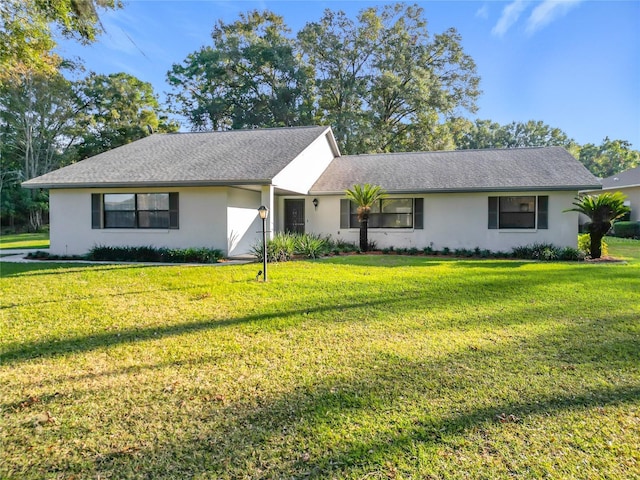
350,367
25,240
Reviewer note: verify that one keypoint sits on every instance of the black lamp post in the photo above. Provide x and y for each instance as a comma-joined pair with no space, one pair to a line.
264,212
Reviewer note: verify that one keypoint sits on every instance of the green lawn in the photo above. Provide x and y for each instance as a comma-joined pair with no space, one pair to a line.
360,367
25,240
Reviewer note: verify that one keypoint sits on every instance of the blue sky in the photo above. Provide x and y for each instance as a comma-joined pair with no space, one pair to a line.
574,64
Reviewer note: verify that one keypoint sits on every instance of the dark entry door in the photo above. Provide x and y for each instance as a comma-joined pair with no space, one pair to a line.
293,216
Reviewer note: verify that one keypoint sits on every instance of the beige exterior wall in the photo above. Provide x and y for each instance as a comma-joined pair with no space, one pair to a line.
453,221
633,197
212,217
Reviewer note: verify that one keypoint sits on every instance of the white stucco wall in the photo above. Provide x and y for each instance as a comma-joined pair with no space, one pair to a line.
305,169
453,221
243,222
203,220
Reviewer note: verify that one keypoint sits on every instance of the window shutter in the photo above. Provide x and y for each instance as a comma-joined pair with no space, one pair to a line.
345,212
96,210
493,212
173,210
418,213
543,212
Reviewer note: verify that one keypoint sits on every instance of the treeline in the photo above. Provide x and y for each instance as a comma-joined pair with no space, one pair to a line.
48,121
381,80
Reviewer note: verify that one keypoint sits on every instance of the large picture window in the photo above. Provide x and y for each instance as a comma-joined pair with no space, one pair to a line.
386,213
518,212
135,210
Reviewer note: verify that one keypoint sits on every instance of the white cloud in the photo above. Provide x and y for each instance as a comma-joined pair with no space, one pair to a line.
510,15
547,12
483,12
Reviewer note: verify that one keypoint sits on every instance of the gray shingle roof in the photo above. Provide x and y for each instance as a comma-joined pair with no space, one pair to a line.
627,178
543,168
242,156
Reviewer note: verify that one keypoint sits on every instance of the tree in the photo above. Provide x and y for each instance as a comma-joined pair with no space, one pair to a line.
250,77
609,158
47,121
488,134
26,31
37,127
383,83
602,209
365,196
116,109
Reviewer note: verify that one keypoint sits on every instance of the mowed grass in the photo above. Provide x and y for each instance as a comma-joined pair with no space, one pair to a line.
25,240
359,367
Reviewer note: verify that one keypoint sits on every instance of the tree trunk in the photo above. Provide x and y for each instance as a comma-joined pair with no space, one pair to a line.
597,230
35,219
364,241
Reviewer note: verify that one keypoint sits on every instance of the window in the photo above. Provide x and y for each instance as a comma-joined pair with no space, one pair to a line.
520,212
386,213
135,210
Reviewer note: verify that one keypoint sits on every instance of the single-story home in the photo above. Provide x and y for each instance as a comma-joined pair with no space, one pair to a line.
627,182
183,190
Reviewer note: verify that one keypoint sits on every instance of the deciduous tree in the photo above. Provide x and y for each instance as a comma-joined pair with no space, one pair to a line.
383,82
27,36
609,158
116,109
250,77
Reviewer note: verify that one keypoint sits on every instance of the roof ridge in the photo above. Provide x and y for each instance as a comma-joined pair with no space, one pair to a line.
464,150
296,127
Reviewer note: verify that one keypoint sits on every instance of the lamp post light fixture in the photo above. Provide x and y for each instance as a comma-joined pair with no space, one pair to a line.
264,212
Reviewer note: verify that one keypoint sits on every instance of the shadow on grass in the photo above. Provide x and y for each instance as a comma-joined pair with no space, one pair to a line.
61,268
320,430
400,297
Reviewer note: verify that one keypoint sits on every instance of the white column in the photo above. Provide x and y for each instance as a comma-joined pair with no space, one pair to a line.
267,200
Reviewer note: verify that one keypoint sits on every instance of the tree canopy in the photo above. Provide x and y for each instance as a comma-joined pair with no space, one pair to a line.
48,121
250,77
27,31
381,81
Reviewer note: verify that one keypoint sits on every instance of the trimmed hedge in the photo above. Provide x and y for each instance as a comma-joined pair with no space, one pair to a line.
626,229
152,254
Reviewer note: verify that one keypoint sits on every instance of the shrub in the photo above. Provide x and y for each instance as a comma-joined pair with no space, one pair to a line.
571,254
311,245
626,229
342,246
584,245
153,254
427,250
546,252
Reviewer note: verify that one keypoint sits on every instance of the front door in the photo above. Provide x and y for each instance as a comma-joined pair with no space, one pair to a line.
293,215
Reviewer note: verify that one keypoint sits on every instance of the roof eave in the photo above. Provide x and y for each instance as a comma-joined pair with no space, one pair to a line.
189,183
475,190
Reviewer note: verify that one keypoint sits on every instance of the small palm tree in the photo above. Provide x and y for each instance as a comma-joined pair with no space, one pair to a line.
602,210
365,196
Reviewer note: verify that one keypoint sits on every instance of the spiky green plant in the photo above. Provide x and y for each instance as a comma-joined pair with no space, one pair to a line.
365,196
601,209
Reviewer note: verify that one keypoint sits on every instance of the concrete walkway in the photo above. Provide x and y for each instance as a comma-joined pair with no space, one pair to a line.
19,256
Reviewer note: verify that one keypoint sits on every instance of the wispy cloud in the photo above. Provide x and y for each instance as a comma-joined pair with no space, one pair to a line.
483,12
510,15
547,12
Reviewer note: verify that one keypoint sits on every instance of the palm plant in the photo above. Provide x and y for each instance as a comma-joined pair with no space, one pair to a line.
365,196
602,210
